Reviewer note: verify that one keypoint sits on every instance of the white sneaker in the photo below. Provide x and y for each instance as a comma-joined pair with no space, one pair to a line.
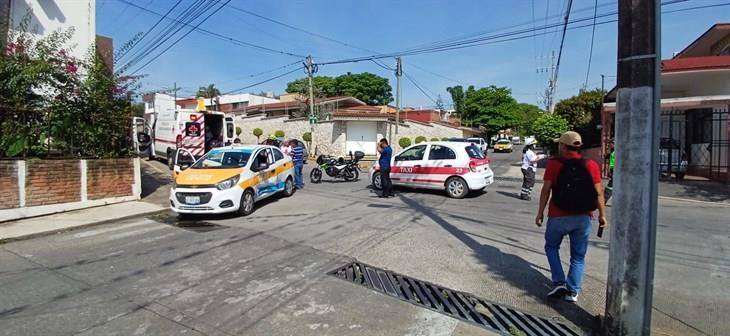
558,291
571,297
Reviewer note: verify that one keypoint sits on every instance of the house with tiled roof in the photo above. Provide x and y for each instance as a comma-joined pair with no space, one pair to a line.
694,105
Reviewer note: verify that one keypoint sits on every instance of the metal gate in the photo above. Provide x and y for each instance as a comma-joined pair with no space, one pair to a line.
701,138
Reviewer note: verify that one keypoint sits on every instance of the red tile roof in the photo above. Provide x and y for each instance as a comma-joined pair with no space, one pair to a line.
695,63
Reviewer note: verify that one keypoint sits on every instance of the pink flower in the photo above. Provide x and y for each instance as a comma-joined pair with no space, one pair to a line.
71,67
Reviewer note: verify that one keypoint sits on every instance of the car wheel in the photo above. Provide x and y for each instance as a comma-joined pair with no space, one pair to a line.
316,175
377,183
456,187
289,187
247,203
170,160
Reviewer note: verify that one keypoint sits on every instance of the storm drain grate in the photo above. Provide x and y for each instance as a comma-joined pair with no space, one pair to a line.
459,305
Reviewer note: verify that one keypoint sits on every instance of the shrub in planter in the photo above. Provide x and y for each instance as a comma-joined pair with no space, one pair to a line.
404,142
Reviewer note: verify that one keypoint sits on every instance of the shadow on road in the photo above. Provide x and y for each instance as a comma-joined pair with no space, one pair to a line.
700,190
509,194
513,269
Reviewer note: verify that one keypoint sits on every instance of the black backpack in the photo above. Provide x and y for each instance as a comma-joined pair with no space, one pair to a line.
574,190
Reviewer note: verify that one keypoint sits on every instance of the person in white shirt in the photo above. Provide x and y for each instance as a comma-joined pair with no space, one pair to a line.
529,167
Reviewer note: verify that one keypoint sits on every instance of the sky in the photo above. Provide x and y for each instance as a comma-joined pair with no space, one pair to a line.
387,26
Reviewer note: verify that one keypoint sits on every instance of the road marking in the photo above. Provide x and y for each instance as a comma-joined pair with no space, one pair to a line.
110,229
136,232
721,204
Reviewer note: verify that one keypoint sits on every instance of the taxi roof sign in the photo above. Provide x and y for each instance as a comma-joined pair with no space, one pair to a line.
201,104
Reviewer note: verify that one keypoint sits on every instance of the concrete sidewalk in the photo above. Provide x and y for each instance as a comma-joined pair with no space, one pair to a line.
38,226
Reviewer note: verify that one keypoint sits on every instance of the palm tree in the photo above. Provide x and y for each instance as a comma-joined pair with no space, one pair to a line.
208,92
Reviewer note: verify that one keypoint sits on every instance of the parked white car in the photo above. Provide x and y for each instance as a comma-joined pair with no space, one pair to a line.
480,142
456,167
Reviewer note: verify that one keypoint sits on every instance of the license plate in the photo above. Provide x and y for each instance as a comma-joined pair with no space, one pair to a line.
192,199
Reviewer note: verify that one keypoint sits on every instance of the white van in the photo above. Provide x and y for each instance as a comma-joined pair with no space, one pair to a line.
168,129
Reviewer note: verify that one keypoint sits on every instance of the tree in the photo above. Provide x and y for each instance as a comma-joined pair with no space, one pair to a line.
257,132
370,88
279,133
583,113
208,92
492,107
307,136
527,114
138,109
404,142
457,97
549,127
322,86
420,139
238,131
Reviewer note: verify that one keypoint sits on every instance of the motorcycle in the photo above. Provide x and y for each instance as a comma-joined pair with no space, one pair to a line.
337,168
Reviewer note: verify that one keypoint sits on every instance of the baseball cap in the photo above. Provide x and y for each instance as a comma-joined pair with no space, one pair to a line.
570,138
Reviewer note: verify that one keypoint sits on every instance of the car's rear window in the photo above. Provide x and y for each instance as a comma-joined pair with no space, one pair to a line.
503,141
474,152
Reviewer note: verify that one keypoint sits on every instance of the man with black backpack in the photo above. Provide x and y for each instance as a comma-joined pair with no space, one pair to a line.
572,184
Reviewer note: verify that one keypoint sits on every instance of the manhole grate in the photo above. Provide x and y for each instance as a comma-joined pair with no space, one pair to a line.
459,305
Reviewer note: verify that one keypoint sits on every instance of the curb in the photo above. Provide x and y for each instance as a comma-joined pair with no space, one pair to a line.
75,227
678,199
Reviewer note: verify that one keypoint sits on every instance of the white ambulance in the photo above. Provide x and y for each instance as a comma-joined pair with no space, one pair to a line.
169,128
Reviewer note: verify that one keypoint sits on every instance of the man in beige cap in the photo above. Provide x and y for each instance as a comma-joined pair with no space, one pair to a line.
572,184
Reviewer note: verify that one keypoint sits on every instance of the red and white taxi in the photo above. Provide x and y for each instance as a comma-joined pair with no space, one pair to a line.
457,167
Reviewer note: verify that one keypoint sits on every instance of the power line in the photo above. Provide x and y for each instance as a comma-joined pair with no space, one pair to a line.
149,30
181,37
188,15
508,36
264,81
590,53
554,82
420,88
219,36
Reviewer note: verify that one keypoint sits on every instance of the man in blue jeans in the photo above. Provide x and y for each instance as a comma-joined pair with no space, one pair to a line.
573,186
297,156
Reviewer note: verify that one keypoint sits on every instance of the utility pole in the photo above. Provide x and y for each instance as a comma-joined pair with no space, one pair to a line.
310,72
603,77
398,74
633,226
551,84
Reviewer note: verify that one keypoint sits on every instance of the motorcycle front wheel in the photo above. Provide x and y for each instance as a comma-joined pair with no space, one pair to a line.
316,175
351,174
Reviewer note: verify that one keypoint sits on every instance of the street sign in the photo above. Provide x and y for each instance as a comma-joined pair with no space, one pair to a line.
312,119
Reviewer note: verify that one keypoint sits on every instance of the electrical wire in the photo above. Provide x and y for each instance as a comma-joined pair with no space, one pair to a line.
562,43
485,40
420,88
149,30
590,53
264,81
188,15
181,37
220,36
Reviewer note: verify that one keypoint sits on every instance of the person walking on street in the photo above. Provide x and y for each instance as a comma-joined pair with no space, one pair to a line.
611,163
384,161
573,186
529,168
297,155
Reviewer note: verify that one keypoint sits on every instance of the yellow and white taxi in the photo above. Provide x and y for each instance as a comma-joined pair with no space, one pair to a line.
230,179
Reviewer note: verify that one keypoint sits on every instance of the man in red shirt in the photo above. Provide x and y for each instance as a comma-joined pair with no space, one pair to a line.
573,187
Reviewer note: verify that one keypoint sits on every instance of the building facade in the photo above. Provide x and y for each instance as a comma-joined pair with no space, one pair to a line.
694,104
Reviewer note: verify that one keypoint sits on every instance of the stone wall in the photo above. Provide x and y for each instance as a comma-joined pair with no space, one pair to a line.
412,130
39,187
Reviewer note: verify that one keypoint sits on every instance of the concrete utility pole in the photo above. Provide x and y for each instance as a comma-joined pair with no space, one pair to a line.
633,230
310,73
398,74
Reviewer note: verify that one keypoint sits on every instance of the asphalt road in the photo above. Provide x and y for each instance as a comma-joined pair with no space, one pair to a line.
265,274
